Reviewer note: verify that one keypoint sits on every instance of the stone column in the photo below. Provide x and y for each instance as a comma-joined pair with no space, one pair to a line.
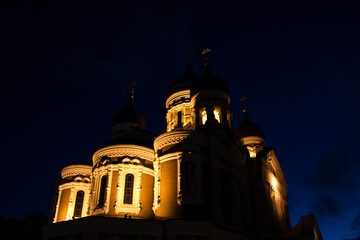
197,117
118,191
57,206
70,211
108,190
210,113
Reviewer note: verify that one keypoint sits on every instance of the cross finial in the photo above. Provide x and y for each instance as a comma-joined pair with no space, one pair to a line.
205,52
132,85
243,99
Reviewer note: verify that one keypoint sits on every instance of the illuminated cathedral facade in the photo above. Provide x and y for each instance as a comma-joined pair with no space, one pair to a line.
201,179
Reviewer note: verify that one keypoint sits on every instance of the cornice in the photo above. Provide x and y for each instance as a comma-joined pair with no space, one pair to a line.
170,138
252,140
176,96
77,185
75,170
124,150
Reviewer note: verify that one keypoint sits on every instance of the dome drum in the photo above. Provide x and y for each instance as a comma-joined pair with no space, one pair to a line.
178,137
76,170
177,98
124,150
252,140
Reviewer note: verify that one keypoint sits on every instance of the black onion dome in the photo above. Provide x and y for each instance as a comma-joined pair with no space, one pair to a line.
210,81
183,83
248,128
130,115
134,136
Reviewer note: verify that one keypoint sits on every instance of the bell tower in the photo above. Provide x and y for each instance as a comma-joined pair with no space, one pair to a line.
210,98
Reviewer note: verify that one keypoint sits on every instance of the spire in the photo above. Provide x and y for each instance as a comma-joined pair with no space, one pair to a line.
243,99
188,55
132,91
189,70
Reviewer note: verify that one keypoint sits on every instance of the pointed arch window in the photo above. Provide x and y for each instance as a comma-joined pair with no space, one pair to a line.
102,196
79,203
129,187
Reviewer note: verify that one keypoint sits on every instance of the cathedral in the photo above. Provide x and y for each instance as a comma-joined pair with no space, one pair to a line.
202,179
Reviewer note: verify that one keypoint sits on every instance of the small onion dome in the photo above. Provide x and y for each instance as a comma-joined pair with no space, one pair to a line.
183,83
247,128
209,81
130,115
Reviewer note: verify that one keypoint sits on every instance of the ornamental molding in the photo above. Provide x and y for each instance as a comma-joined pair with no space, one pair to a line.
124,150
75,170
252,140
184,94
75,185
170,138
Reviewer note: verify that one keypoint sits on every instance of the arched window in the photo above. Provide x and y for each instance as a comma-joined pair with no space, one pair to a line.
102,196
129,187
79,203
179,119
217,114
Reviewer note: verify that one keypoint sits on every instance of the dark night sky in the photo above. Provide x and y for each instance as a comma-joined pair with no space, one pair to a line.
66,69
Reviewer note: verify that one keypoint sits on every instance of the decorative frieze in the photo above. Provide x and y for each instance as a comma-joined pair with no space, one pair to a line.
170,138
76,170
124,150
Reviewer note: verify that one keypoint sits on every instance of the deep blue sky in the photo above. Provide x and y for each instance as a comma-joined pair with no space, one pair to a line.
66,68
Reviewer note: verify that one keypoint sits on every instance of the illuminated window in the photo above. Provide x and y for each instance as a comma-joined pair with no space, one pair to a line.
217,114
203,116
102,195
170,121
79,203
128,191
187,116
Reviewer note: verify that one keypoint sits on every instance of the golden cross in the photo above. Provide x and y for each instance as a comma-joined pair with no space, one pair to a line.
243,99
205,51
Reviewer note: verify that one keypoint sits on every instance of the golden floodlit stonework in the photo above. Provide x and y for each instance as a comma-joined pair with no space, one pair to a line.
199,179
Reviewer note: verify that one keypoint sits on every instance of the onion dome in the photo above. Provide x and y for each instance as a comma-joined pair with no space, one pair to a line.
183,83
133,136
247,128
130,115
209,81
